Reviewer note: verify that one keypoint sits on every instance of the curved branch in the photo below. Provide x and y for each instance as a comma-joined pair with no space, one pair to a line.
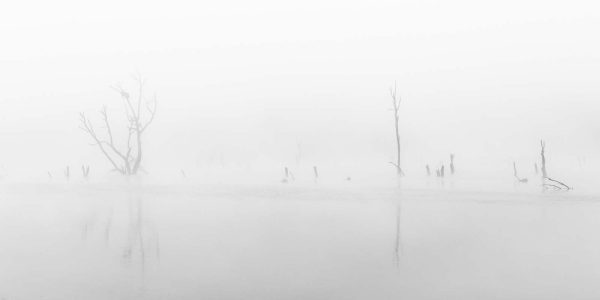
562,184
88,127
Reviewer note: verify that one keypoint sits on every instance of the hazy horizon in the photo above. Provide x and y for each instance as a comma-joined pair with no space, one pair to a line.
222,200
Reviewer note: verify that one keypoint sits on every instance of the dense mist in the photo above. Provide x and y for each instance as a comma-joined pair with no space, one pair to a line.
412,149
257,85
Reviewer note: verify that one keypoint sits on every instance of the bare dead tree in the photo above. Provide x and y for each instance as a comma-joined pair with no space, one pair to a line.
521,180
85,170
289,176
451,164
543,144
396,100
555,184
127,160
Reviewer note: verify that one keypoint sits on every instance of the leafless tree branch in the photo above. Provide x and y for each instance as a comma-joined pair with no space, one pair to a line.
396,108
561,185
131,157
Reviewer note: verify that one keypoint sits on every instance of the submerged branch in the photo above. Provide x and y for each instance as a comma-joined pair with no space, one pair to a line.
561,183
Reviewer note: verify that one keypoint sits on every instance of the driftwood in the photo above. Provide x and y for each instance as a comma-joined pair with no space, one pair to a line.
547,185
560,183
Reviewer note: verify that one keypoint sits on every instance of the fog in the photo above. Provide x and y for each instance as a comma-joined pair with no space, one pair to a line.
246,89
251,81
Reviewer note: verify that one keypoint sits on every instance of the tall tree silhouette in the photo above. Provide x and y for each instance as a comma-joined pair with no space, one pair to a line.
140,113
396,100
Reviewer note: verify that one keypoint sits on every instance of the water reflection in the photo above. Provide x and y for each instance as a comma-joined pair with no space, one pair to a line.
142,239
398,244
125,230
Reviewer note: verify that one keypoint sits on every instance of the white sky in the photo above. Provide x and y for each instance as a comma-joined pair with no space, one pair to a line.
253,79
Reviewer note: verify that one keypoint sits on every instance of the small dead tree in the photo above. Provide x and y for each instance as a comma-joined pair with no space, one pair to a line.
396,109
521,180
127,160
289,176
85,170
548,182
544,174
451,164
